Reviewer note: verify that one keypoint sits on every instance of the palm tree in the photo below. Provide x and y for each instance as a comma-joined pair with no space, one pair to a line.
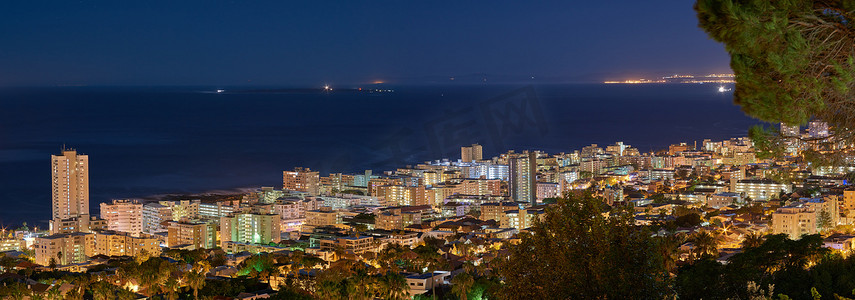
432,266
124,294
59,258
367,286
705,243
126,272
170,287
19,291
461,284
752,240
396,286
79,289
102,290
196,280
6,262
667,249
389,255
338,252
35,296
54,293
328,289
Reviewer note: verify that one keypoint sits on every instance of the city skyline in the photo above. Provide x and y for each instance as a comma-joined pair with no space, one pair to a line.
427,150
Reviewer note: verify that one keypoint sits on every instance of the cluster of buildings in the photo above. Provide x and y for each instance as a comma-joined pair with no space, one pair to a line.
487,199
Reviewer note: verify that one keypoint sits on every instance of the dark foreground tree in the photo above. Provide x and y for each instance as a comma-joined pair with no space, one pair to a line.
774,261
582,251
794,60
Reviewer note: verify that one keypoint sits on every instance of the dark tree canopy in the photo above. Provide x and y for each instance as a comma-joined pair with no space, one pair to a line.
578,252
794,60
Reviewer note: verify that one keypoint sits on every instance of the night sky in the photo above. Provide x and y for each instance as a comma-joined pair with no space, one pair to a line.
314,42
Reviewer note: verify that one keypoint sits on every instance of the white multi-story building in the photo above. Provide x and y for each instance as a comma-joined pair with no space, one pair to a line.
547,190
254,228
184,209
720,200
215,210
568,177
289,209
124,216
489,171
348,200
661,174
154,214
760,189
70,184
268,194
69,188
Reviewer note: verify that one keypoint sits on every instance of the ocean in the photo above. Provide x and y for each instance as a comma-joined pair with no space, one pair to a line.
145,141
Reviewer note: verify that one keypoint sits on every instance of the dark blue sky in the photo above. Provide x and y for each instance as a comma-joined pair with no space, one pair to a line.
311,42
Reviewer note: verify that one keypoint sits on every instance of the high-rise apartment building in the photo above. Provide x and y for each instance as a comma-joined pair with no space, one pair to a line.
480,187
401,195
489,171
471,153
302,180
592,150
192,235
154,216
789,130
213,211
818,129
124,216
70,185
252,228
332,184
523,180
617,149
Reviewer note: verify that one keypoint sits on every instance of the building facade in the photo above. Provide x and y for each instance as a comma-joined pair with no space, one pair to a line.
154,216
760,189
523,177
471,153
115,243
302,180
64,249
69,188
255,228
196,235
124,216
